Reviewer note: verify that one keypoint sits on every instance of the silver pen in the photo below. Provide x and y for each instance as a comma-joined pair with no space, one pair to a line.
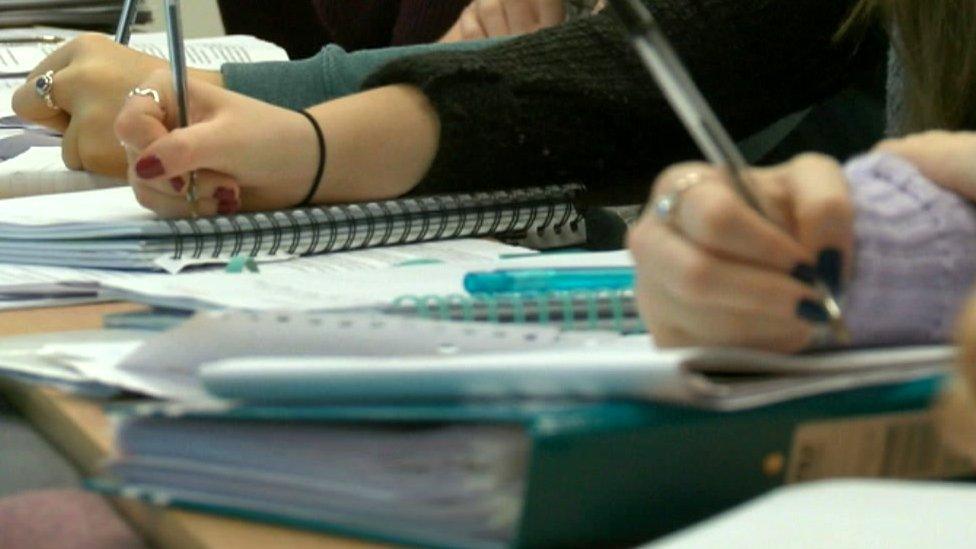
657,54
177,56
39,39
126,19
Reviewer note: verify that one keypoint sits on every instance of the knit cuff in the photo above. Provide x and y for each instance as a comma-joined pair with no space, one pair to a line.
915,255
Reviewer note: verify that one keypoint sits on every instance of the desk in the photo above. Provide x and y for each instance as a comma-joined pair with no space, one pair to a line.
82,432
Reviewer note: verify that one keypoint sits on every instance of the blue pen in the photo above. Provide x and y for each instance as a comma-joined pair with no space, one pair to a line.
549,280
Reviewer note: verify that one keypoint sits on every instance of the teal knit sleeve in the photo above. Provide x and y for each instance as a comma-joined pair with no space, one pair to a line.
330,74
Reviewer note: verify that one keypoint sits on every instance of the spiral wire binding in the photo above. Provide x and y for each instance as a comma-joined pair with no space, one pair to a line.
532,208
602,310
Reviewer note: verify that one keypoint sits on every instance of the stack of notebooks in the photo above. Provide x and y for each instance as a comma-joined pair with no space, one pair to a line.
108,229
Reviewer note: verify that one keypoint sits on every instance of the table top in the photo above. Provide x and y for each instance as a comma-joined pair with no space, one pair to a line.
79,429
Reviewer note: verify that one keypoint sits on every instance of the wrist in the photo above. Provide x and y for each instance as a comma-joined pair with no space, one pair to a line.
211,77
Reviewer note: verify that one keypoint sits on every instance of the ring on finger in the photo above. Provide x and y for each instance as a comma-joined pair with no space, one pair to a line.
145,92
44,86
666,207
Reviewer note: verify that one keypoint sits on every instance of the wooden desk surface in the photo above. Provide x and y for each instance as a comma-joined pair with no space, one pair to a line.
82,432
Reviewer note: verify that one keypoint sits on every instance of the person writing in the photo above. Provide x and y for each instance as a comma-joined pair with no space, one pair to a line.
520,106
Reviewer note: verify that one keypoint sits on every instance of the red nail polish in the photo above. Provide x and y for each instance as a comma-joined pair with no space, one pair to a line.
177,184
150,167
228,207
223,194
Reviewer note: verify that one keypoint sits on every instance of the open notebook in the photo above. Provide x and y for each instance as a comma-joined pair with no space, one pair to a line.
109,229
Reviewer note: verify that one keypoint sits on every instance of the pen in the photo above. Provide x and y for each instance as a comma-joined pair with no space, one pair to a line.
40,39
177,56
126,19
716,144
549,280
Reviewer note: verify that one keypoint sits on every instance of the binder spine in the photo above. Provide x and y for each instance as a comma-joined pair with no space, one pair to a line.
615,311
508,215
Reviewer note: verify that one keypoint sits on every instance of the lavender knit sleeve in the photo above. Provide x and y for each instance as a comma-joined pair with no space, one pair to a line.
915,254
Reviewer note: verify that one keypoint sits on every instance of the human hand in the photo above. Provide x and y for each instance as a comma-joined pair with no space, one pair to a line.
945,158
246,154
491,18
717,273
956,409
92,76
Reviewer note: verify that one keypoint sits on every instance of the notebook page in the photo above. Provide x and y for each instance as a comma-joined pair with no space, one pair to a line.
41,171
289,286
201,53
111,206
7,88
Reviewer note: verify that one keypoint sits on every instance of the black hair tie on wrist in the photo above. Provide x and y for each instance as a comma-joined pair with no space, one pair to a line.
321,169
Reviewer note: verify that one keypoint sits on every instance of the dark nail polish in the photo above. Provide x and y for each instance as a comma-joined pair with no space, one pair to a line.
812,311
150,167
177,184
830,267
228,207
806,274
223,194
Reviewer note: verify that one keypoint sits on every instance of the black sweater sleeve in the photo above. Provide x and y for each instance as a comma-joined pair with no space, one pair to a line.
573,103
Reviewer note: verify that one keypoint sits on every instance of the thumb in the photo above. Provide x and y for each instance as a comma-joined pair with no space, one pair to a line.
179,152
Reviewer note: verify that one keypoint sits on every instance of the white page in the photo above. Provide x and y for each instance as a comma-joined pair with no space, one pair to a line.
842,514
41,171
32,279
201,53
300,285
7,88
112,205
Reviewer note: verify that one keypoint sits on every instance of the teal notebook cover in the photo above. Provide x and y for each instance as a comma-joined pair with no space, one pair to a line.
617,474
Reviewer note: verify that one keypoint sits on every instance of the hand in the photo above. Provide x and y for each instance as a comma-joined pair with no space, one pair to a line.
945,158
92,76
246,154
718,274
956,409
491,18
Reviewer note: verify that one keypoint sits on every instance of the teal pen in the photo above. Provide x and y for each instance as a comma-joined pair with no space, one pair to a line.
549,280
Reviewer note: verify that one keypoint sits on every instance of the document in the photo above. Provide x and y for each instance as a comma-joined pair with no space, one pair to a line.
41,170
201,53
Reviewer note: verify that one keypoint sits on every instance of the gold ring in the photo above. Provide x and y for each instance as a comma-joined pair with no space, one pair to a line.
145,92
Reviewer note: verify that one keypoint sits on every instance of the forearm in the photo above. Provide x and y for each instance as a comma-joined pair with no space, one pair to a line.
574,102
915,256
379,143
330,74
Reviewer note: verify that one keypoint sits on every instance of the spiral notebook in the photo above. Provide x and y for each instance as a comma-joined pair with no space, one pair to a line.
609,311
108,229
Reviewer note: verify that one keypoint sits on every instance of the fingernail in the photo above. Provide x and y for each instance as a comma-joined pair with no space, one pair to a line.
812,311
228,207
223,194
150,167
177,183
806,274
830,265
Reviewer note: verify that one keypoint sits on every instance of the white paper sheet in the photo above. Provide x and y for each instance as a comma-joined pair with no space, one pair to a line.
201,53
41,171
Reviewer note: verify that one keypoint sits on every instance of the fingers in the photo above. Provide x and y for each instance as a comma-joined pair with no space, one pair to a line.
550,13
29,105
217,194
491,15
946,158
716,272
521,16
823,213
141,122
712,216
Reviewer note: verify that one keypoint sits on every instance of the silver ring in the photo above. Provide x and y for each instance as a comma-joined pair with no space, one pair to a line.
44,85
666,207
145,92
